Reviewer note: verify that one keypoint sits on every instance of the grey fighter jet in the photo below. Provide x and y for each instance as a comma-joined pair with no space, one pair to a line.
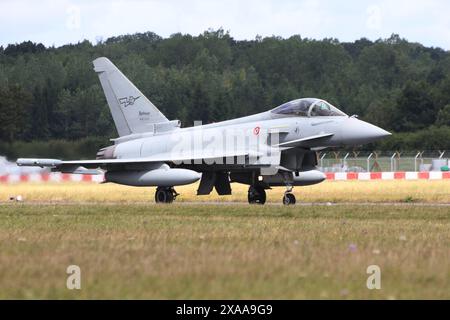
273,148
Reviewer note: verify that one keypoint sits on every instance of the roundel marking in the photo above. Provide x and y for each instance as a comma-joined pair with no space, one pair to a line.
256,130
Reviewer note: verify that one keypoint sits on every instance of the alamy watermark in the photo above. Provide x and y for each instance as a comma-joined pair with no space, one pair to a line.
74,279
73,21
243,146
374,280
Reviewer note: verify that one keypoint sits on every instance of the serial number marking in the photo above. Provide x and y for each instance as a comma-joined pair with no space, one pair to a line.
226,309
245,309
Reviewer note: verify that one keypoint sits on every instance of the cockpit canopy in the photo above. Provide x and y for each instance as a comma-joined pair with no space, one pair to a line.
308,107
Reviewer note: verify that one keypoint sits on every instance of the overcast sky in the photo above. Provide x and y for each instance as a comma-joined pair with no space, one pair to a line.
60,22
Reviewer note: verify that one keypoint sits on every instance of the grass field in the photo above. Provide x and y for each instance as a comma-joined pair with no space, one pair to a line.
224,251
344,191
128,247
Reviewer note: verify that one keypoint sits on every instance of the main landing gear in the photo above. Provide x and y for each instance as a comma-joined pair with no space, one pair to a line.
165,195
256,195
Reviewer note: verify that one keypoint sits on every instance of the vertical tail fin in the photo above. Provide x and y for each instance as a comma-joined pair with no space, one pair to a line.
131,110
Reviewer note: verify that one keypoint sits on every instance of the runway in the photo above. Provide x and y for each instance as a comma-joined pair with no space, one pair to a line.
223,203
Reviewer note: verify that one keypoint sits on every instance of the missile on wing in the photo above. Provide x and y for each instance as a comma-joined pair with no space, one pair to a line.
38,162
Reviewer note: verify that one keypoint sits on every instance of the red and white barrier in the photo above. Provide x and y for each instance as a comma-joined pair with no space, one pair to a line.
333,176
50,177
432,175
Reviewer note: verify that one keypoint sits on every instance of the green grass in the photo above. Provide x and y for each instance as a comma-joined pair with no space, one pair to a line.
224,251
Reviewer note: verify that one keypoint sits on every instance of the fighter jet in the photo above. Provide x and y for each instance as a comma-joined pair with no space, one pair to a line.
269,149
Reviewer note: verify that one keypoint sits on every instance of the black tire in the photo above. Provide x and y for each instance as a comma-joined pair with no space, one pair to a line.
164,195
262,195
170,196
289,199
256,195
160,196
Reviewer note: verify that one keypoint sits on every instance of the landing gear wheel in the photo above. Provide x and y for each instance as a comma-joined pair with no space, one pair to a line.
165,195
288,199
256,195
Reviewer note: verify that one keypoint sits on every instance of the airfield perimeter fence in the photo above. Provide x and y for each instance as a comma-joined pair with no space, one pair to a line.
329,161
383,161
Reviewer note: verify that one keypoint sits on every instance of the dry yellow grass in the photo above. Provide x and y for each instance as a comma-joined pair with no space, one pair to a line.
216,251
343,191
127,247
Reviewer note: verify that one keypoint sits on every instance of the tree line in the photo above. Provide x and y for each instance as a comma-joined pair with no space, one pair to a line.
51,96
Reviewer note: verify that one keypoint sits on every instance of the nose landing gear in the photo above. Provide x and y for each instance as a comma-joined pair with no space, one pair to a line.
289,198
165,195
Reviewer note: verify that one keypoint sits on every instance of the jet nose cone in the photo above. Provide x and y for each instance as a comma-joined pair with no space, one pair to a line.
356,132
383,133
